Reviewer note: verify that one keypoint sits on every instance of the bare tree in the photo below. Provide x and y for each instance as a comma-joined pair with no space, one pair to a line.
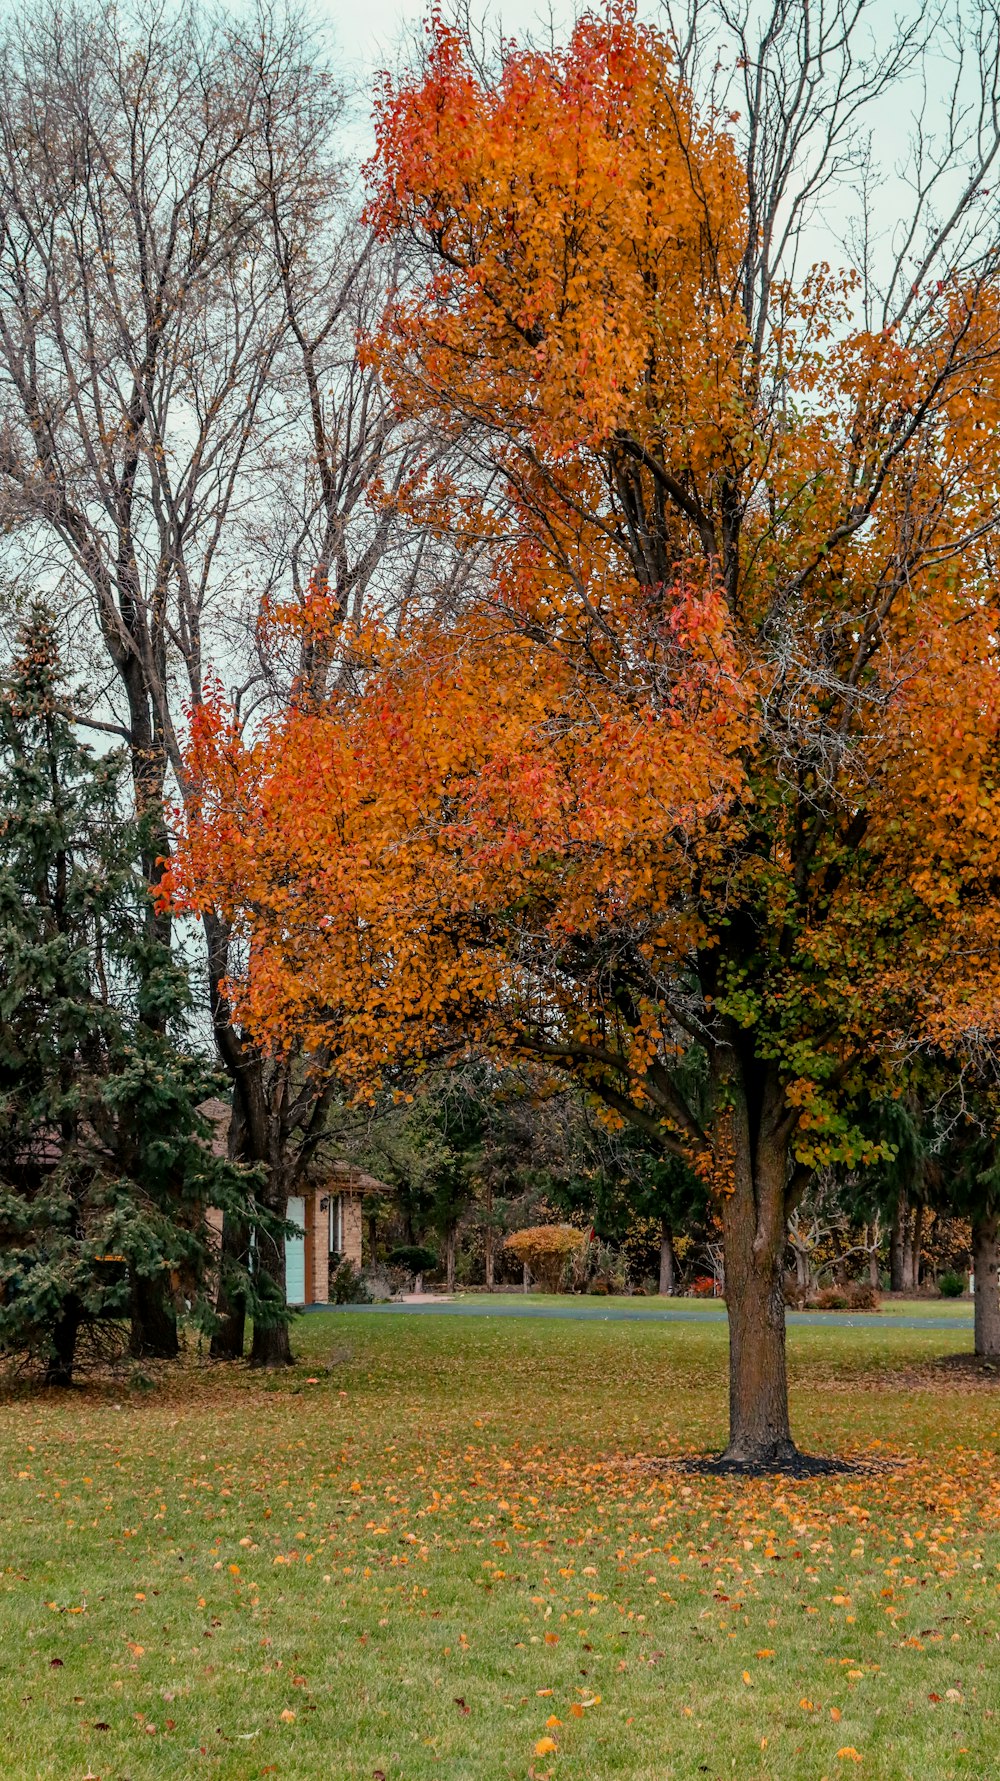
185,425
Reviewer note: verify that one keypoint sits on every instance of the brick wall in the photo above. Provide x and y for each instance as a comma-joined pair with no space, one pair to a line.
317,1250
352,1228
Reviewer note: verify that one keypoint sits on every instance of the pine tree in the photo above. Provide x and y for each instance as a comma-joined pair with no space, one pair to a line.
106,1166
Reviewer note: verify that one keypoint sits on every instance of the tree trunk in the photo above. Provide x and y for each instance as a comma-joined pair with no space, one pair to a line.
230,1337
154,1320
488,1239
449,1258
754,1233
525,1277
986,1262
271,1345
897,1244
668,1261
62,1354
874,1274
915,1246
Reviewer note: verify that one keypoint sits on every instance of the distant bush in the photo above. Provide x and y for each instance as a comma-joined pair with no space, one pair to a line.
378,1285
544,1249
863,1296
347,1286
414,1258
857,1295
703,1287
599,1286
830,1298
951,1286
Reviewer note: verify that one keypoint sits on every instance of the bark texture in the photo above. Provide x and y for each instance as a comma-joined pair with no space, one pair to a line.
230,1337
668,1261
154,1321
754,1215
986,1263
62,1356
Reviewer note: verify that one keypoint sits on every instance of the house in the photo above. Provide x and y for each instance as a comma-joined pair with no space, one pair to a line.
328,1213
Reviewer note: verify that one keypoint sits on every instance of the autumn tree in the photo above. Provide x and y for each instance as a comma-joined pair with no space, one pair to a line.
712,762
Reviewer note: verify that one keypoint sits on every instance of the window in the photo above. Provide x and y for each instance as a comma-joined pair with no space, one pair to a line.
337,1224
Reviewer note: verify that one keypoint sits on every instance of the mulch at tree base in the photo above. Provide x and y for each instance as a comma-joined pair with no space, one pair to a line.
788,1465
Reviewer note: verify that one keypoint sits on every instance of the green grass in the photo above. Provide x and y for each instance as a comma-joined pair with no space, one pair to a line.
460,1514
936,1307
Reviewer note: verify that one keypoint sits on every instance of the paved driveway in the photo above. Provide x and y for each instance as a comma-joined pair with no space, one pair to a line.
578,1312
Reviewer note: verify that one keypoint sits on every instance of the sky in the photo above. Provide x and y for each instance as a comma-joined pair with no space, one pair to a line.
369,35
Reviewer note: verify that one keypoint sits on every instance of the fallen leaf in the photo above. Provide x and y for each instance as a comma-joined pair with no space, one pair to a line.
545,1746
848,1754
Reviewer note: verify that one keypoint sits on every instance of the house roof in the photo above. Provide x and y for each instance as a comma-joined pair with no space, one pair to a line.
345,1178
324,1177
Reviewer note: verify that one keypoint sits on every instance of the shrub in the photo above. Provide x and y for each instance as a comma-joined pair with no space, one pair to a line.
863,1296
951,1286
830,1298
414,1258
347,1286
545,1249
599,1286
857,1295
378,1286
703,1287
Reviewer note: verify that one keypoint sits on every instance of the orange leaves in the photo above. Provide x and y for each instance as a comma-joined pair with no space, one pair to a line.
571,202
712,743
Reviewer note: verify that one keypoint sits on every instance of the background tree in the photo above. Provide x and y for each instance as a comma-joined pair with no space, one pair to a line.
106,1166
186,432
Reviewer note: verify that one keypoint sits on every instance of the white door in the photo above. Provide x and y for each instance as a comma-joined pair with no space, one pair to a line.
295,1253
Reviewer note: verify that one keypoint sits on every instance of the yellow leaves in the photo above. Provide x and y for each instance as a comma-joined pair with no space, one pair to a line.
287,1715
847,1753
546,1747
546,1249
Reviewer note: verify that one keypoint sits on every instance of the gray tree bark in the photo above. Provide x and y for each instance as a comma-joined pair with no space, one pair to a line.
986,1267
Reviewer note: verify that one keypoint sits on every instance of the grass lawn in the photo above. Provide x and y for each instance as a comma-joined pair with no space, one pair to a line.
652,1306
442,1547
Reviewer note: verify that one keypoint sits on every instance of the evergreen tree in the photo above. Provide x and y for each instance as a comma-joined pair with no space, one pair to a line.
106,1165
